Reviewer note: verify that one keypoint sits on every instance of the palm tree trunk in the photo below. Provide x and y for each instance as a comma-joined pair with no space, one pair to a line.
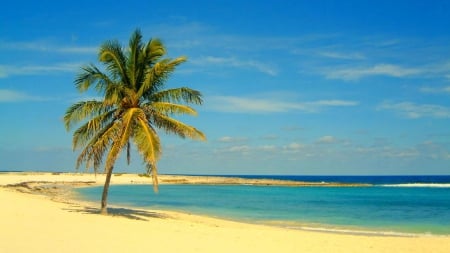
103,209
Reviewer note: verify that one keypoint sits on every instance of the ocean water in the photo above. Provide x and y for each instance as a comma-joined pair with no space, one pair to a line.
397,205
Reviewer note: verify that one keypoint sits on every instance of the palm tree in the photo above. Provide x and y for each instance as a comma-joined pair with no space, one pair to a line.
134,104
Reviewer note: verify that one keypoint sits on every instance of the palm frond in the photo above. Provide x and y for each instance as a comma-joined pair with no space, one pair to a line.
157,76
182,94
83,110
134,68
167,108
152,170
114,94
90,75
94,151
148,57
112,55
149,146
154,50
174,126
126,131
85,132
147,141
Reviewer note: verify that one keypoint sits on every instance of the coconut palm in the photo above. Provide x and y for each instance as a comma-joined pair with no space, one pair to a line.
134,104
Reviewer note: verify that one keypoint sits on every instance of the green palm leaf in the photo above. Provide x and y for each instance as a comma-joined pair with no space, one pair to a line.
83,110
174,126
156,76
85,132
177,95
94,151
170,108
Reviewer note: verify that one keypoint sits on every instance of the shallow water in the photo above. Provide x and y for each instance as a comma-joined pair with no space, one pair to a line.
377,209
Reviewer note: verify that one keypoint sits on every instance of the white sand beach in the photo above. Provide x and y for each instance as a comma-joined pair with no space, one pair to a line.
33,222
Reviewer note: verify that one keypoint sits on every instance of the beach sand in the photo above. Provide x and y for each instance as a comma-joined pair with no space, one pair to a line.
55,222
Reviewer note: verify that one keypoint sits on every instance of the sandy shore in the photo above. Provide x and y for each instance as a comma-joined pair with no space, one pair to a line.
36,223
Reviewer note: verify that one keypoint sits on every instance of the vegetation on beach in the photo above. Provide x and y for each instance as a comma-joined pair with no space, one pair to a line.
134,104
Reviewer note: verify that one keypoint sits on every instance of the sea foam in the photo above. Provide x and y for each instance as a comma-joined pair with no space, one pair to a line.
418,185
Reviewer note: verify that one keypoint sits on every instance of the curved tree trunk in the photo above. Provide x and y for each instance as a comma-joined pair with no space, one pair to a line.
103,209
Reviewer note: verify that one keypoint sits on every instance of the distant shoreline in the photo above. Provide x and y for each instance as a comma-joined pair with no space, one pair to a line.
124,178
275,180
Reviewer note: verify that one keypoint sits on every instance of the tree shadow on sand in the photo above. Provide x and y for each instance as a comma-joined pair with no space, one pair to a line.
120,212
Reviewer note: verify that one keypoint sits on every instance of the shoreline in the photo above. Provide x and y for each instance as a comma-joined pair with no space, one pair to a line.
53,189
64,191
304,225
129,178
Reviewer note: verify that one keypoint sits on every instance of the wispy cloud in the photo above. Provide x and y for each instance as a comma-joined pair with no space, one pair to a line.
6,70
427,149
387,152
293,128
237,63
342,56
269,104
267,148
232,139
43,46
327,139
78,50
356,73
238,149
293,147
333,102
435,90
416,111
11,96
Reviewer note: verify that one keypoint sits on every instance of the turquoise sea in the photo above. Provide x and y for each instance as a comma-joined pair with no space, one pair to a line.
393,205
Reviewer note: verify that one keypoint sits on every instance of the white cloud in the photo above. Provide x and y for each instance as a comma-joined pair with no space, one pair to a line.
43,46
269,104
250,105
409,153
270,137
234,62
9,96
242,148
267,148
327,139
389,152
415,111
225,139
342,56
78,50
293,128
232,139
435,90
427,150
356,73
333,103
237,149
293,147
6,71
3,72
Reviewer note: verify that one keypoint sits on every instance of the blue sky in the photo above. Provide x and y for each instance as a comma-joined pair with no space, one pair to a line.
290,87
